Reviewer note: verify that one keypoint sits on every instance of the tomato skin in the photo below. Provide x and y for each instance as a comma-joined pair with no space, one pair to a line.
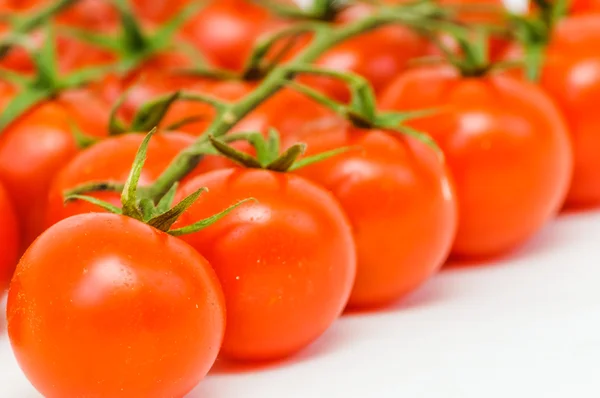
130,311
506,144
9,236
226,30
150,86
283,287
571,76
400,201
110,160
37,145
287,111
579,7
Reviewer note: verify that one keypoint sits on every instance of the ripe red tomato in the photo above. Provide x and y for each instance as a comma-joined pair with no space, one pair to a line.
152,85
571,75
287,111
159,10
379,55
283,286
37,145
397,194
226,30
507,146
120,310
110,160
585,6
9,236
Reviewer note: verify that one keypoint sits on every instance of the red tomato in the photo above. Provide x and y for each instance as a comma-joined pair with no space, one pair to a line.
287,111
37,145
283,286
120,310
397,194
9,236
159,10
507,146
110,160
571,75
89,14
226,30
585,6
379,56
152,85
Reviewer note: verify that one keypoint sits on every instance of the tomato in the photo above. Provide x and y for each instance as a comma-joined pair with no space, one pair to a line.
110,160
98,15
103,305
287,111
585,6
159,10
507,146
226,30
38,144
283,286
398,196
152,85
571,75
379,55
9,236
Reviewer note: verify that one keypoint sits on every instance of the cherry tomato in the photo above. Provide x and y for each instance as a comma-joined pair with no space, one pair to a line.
9,236
110,160
159,10
226,30
283,286
379,56
150,86
585,6
398,196
507,146
287,111
103,305
38,144
571,75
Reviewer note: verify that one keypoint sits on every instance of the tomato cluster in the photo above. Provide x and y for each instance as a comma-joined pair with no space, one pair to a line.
182,181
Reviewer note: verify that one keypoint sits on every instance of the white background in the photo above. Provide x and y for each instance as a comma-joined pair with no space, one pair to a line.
524,326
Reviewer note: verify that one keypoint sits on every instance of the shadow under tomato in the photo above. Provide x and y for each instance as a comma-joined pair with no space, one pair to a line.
427,295
332,340
545,240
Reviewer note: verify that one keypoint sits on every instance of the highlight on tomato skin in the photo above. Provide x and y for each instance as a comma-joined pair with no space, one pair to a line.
507,146
283,287
130,312
9,236
226,31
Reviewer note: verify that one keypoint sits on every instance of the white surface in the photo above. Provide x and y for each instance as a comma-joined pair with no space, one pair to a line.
524,326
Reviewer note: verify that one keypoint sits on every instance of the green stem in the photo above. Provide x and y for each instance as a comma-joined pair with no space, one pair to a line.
325,38
26,25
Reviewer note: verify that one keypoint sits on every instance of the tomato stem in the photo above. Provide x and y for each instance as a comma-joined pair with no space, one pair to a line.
24,25
325,37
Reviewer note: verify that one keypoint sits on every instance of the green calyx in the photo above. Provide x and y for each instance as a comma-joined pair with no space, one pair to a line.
135,204
47,83
133,44
362,111
268,155
535,31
